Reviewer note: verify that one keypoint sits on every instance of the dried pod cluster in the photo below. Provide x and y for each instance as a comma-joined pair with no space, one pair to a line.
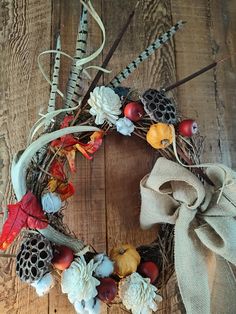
34,259
159,107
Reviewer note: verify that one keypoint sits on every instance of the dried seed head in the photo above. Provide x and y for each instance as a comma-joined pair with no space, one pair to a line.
159,107
34,259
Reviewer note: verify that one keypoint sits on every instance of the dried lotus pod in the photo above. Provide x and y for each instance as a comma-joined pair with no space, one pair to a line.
159,107
34,259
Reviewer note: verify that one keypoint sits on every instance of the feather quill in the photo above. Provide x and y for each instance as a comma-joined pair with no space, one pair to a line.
73,86
116,81
109,56
55,77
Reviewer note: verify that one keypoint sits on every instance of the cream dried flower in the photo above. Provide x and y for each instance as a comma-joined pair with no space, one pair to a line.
78,281
138,294
105,105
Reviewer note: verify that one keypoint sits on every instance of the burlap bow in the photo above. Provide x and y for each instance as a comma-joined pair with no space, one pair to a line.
205,231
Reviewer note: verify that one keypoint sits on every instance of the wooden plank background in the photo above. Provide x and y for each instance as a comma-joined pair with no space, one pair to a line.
105,209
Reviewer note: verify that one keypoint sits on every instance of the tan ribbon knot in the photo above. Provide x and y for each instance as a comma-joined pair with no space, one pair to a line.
205,231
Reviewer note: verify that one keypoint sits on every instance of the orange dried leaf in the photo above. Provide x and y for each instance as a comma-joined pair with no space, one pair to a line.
70,155
92,146
65,190
52,185
81,148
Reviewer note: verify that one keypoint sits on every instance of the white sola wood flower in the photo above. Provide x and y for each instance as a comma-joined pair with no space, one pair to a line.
138,294
105,105
78,281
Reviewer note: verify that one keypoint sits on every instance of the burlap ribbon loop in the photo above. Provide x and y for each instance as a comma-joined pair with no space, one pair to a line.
205,231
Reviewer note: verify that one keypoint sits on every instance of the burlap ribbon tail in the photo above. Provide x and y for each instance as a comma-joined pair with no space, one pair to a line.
205,231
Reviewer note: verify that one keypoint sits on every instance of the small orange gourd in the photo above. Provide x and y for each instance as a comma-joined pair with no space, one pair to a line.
160,135
126,259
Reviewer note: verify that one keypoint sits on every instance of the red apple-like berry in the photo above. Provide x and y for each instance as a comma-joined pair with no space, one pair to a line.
148,270
63,257
134,111
107,290
188,128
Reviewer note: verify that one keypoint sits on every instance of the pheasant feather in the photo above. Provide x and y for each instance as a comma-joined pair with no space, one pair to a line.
55,77
73,84
144,55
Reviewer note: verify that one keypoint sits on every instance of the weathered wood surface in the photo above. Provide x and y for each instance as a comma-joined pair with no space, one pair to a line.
105,209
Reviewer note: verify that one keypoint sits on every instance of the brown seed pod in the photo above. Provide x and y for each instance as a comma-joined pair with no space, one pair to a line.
159,107
34,259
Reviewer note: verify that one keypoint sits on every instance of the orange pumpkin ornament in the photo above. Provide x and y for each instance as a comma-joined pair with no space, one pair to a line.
160,135
126,259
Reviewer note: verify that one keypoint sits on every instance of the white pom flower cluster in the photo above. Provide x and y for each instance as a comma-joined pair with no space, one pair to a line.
138,294
104,267
125,126
105,105
51,202
43,285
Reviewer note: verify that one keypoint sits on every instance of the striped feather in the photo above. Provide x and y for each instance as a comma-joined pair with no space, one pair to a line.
73,85
116,81
55,77
55,80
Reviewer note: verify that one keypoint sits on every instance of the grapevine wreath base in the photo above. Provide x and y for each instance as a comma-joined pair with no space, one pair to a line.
196,207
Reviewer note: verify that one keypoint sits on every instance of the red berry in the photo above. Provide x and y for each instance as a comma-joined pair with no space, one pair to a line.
107,290
148,270
188,128
63,257
134,111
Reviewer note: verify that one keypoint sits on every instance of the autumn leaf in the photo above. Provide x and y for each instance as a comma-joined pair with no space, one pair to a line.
70,155
92,146
58,183
57,170
52,185
26,213
85,149
82,150
66,121
69,145
64,141
65,190
94,143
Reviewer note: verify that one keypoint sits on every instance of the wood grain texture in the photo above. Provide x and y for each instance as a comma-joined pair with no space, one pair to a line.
210,36
223,42
105,209
25,30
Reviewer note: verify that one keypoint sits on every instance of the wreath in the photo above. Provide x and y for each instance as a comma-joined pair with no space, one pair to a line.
195,202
